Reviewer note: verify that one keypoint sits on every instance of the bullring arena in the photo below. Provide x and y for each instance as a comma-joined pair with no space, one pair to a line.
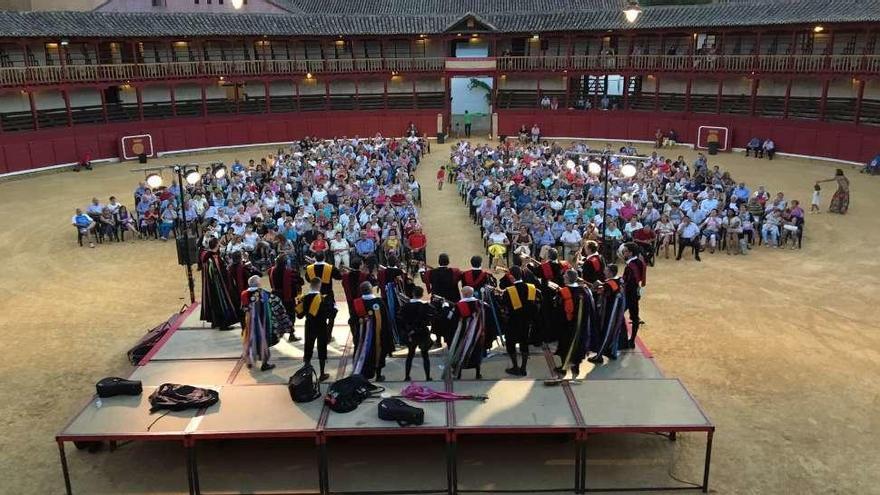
773,354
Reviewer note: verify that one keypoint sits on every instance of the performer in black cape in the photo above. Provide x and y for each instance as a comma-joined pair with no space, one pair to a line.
593,269
374,342
550,273
287,284
634,275
606,341
472,335
415,316
327,273
351,283
476,277
578,309
317,309
442,281
218,306
523,301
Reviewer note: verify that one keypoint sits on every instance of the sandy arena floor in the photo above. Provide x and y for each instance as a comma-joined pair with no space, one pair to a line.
779,347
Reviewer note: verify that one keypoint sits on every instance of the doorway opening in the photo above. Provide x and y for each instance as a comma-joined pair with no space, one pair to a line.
471,95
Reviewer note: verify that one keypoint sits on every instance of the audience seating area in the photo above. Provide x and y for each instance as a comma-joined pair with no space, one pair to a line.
837,109
128,112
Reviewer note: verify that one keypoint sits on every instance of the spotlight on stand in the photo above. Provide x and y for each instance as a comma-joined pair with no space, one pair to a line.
569,164
236,4
154,181
628,170
632,11
218,171
594,168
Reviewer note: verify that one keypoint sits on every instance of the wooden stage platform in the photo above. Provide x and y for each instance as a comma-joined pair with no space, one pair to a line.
626,396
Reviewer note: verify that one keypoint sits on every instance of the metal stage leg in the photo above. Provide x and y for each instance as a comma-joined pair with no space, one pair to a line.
577,464
192,472
709,435
672,436
64,469
323,468
451,466
582,449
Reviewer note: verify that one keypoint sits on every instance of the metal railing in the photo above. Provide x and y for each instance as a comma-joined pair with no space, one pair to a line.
680,63
21,76
805,64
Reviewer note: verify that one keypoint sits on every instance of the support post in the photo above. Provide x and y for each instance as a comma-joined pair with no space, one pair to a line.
720,95
656,96
140,102
823,103
708,461
753,105
786,102
103,103
66,95
266,87
859,97
204,100
687,95
65,470
33,109
173,100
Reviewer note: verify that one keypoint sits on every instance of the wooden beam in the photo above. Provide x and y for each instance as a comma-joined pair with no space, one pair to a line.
66,96
785,104
754,101
861,94
720,95
823,103
33,109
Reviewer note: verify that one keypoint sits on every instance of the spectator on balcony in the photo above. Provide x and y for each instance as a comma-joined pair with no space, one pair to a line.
754,146
769,147
545,102
605,103
554,103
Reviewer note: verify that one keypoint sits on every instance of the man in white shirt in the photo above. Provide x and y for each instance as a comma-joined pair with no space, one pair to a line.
688,235
340,249
571,241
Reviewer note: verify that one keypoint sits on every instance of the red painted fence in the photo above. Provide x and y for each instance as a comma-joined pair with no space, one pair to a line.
29,150
803,137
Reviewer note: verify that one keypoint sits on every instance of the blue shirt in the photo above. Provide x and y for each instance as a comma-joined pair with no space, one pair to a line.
689,231
545,239
365,247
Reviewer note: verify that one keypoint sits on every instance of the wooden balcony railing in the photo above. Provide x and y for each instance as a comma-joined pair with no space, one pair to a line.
804,64
23,76
843,64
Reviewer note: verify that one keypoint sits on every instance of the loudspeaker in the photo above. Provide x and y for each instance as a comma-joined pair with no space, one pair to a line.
142,158
441,137
182,247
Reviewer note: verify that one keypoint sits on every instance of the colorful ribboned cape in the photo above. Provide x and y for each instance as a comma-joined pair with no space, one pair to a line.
265,321
218,307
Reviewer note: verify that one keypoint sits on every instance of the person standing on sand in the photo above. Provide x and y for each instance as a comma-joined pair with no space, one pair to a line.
840,199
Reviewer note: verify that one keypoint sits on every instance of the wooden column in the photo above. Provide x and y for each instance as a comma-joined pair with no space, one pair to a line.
173,96
103,103
754,101
567,82
786,102
140,102
236,93
823,103
720,95
268,96
626,81
326,94
687,95
66,95
415,95
204,100
33,109
859,97
296,89
656,93
357,95
385,91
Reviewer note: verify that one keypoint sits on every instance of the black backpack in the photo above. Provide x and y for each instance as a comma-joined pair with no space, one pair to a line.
112,386
346,394
174,397
146,343
400,411
303,385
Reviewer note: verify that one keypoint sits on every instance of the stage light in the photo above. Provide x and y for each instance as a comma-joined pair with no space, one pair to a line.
594,168
632,11
154,181
237,4
569,164
818,29
536,37
193,177
219,171
64,42
628,170
308,75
